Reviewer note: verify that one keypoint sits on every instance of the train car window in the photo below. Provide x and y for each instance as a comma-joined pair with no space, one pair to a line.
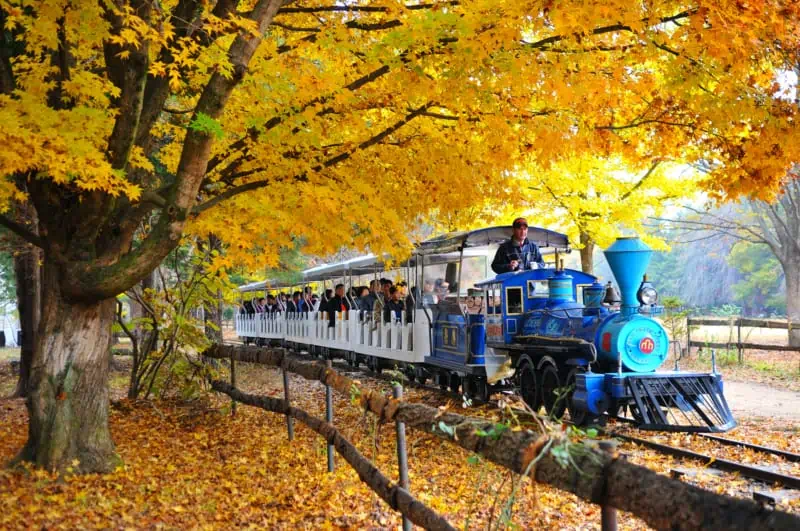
538,289
514,301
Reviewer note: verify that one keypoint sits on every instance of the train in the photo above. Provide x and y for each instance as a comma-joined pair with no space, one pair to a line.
558,337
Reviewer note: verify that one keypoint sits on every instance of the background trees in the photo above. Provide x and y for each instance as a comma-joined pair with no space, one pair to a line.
128,124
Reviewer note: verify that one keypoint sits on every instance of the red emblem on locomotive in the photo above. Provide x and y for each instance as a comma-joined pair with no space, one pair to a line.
606,342
647,345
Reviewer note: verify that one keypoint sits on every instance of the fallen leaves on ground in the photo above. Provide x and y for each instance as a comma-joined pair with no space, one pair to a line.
193,465
196,466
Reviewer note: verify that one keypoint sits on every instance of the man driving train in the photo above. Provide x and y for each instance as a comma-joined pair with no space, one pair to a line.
517,253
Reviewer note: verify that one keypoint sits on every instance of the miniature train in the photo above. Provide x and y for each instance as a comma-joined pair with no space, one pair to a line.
557,336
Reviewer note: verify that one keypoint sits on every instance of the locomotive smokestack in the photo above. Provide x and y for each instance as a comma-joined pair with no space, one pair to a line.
628,259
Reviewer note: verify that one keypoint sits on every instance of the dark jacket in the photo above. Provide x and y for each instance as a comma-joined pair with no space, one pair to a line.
367,302
335,305
291,307
527,254
392,310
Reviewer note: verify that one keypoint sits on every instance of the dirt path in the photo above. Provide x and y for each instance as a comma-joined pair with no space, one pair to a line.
758,400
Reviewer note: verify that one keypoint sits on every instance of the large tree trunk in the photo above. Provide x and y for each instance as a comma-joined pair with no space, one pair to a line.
29,288
587,253
68,401
791,269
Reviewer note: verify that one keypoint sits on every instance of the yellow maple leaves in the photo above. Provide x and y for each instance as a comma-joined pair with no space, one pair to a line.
357,123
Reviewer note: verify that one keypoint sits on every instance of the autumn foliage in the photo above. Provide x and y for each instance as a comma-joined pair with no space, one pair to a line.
129,124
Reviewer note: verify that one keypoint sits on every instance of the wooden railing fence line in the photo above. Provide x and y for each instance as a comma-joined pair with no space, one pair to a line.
605,478
739,323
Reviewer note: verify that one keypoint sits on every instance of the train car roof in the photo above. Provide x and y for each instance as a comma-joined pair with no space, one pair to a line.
455,241
264,285
361,265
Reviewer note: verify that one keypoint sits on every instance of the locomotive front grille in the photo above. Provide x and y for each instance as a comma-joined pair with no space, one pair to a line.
692,403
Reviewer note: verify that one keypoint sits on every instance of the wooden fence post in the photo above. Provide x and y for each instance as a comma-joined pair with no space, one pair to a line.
289,419
402,457
739,341
688,337
233,383
608,514
329,416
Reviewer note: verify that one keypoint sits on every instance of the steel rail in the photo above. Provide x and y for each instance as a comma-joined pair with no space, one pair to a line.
720,464
789,456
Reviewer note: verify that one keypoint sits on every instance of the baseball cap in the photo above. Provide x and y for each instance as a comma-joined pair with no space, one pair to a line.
519,222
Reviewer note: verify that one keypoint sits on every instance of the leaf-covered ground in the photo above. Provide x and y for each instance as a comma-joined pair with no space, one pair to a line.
193,465
188,466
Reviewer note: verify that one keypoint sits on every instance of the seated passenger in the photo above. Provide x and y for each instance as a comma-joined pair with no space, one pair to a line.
338,303
393,309
299,303
367,301
272,305
441,288
428,296
380,302
291,304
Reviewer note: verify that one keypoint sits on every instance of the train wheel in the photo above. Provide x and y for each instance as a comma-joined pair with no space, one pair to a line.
455,382
554,402
578,416
529,383
476,388
443,380
374,364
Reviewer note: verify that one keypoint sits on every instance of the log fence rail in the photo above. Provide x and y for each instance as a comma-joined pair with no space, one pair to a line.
604,479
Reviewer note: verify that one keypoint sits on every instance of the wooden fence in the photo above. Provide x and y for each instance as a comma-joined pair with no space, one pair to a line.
739,323
596,474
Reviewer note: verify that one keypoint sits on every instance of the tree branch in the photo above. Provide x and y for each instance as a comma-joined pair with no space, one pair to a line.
609,29
92,280
231,192
21,231
641,181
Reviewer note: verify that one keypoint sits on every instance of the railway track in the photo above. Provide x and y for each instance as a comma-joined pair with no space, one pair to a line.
745,470
789,456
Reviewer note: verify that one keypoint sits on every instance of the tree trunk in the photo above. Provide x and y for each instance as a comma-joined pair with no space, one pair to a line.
68,401
587,253
29,291
791,269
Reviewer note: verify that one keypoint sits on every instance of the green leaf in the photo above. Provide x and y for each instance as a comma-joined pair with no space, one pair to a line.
205,124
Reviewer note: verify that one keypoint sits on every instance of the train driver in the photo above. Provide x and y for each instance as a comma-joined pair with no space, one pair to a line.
517,253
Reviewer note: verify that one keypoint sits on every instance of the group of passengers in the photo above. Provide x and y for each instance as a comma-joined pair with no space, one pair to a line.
381,300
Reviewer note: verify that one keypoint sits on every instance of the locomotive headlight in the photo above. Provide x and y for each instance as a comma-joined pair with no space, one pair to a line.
647,294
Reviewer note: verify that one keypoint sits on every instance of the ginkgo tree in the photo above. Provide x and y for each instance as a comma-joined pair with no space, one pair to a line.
594,199
341,123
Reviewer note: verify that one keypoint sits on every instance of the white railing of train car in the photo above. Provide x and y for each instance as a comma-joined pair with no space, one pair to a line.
353,331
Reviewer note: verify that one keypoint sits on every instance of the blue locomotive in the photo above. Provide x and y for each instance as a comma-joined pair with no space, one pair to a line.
565,341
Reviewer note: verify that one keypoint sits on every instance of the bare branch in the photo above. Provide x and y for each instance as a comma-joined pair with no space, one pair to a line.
641,181
21,231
